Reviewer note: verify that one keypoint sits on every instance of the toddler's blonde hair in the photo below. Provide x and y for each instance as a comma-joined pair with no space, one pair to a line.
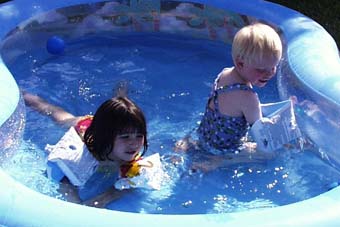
254,42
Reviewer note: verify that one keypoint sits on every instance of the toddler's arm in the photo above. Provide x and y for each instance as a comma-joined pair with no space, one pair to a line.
251,107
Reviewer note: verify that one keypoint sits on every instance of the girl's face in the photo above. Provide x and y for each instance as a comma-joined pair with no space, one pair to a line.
127,146
259,73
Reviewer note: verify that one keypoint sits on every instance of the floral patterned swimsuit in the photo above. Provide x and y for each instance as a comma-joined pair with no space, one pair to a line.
219,133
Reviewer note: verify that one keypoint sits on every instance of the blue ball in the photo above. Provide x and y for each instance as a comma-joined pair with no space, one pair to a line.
55,45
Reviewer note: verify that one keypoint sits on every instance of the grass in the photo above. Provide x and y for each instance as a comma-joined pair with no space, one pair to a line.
324,12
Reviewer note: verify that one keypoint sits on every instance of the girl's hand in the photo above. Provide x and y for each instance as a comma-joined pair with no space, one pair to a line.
102,200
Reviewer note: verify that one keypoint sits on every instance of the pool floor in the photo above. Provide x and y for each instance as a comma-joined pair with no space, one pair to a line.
169,77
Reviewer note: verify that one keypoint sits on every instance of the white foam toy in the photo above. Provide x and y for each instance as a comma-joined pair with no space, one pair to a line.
145,173
277,128
73,158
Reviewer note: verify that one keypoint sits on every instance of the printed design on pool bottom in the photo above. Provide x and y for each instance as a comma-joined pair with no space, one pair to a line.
20,206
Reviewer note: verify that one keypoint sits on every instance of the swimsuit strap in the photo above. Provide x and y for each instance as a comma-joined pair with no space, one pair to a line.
83,124
228,88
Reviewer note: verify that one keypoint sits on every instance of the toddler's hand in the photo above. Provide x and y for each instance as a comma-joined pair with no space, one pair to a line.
294,99
185,144
272,120
181,145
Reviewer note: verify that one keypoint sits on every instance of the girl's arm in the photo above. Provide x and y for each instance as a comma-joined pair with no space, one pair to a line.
105,198
58,114
70,193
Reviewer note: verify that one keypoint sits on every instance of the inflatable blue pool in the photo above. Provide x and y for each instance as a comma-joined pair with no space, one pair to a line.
310,70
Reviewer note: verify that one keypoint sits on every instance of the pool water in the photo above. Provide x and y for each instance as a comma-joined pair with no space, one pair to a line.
169,77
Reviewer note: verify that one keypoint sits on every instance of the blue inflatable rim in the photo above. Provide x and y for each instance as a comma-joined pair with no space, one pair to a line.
20,206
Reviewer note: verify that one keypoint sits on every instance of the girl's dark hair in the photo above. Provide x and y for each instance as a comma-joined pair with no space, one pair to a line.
115,116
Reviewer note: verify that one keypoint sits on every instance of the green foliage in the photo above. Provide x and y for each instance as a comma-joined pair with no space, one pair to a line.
324,12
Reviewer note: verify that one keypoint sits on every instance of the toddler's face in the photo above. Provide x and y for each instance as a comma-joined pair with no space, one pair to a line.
127,146
261,72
